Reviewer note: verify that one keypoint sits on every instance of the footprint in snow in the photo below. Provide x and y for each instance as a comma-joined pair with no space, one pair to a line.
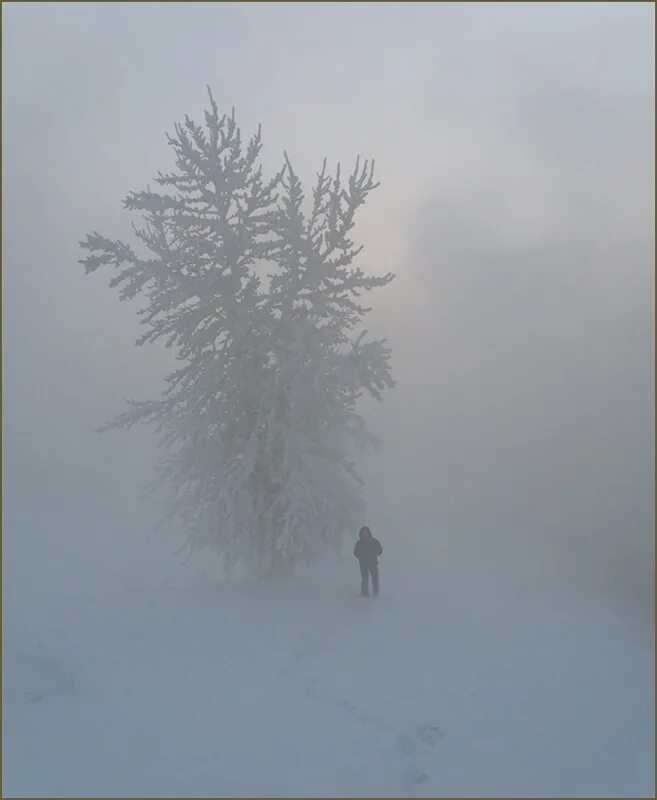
413,777
419,737
429,734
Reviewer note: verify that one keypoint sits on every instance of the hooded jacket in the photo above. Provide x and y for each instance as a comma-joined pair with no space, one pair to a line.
367,550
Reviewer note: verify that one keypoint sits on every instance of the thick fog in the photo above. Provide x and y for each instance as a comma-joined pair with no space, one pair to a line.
515,149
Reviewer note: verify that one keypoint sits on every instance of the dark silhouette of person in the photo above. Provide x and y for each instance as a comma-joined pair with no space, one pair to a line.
367,550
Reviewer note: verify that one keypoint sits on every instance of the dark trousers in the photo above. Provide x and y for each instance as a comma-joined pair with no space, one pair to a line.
365,571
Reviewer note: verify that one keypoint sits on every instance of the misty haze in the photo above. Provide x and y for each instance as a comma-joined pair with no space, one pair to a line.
369,509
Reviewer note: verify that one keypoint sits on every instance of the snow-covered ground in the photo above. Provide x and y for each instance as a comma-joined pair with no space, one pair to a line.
457,680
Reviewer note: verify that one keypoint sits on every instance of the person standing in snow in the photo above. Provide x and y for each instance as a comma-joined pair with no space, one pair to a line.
367,550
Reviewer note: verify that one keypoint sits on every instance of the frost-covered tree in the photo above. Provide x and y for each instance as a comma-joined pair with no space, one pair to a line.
318,369
258,301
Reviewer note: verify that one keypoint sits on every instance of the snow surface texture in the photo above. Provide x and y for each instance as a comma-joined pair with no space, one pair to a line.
301,687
